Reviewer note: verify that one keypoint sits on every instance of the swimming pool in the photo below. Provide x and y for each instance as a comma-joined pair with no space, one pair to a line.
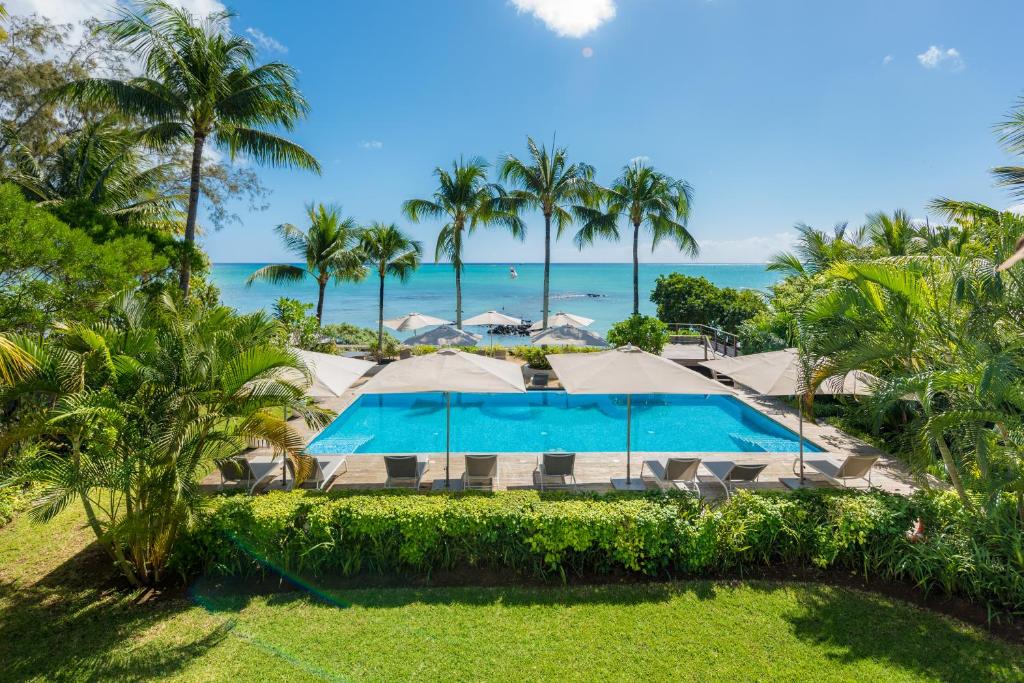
540,421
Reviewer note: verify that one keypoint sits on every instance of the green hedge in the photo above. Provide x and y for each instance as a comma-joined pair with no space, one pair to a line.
557,535
536,356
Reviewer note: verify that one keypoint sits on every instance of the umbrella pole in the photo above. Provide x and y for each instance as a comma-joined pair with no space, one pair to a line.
801,439
447,436
629,425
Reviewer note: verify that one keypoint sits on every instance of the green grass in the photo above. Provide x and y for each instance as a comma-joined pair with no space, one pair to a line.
55,624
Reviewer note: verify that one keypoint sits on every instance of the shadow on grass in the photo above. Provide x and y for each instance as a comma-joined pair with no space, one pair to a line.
853,626
75,621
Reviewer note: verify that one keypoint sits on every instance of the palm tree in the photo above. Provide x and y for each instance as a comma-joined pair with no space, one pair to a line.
549,183
200,84
329,248
391,252
465,200
1011,131
816,250
644,197
893,235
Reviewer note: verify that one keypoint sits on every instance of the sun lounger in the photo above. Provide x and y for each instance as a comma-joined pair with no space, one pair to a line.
240,471
854,467
481,472
405,471
729,473
556,470
325,470
678,472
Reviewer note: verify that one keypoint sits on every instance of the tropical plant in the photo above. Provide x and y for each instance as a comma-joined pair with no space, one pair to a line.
643,197
892,235
297,326
816,250
642,331
465,201
329,249
389,251
105,164
1011,135
548,183
128,415
200,84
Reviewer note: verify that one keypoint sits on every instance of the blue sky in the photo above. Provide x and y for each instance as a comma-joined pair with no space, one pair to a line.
775,111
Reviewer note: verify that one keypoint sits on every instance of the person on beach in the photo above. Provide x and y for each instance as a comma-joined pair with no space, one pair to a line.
512,272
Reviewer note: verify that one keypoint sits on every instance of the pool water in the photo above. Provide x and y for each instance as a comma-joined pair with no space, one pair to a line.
552,420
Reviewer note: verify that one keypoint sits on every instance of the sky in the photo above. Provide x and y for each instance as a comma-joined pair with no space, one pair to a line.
775,111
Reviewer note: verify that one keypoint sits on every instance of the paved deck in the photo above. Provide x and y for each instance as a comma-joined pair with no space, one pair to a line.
594,471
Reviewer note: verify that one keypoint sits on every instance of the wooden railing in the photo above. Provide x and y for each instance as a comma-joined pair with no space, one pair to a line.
722,342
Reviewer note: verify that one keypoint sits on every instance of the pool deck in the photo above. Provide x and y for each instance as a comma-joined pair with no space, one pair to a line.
594,471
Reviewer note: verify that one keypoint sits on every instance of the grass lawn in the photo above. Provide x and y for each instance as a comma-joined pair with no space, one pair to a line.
54,625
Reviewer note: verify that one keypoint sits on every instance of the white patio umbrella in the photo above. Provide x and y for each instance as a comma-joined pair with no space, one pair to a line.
332,375
567,335
562,318
782,373
628,370
490,319
446,335
413,322
448,371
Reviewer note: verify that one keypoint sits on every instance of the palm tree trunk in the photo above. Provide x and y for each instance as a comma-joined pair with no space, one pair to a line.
458,296
380,320
636,269
547,265
322,283
953,472
193,207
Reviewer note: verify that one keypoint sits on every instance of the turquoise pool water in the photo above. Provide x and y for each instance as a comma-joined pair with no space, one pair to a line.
552,420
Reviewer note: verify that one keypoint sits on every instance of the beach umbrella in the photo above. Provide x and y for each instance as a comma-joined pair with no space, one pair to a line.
785,373
446,335
332,375
628,370
490,319
567,335
414,321
562,318
448,371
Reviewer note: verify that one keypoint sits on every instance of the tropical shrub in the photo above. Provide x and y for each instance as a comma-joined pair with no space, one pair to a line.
642,331
353,335
128,415
653,534
684,299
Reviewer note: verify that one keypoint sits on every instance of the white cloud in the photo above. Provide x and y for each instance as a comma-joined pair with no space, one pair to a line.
640,159
887,60
371,144
569,18
266,42
935,56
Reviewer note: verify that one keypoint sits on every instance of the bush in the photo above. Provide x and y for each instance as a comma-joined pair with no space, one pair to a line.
536,356
653,534
642,331
684,299
353,335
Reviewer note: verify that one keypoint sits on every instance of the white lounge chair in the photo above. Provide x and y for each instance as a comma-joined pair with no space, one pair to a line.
242,472
405,471
678,472
854,467
325,471
729,473
556,470
481,472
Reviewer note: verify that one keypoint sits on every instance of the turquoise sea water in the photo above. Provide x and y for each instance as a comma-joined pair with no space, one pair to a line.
540,421
602,291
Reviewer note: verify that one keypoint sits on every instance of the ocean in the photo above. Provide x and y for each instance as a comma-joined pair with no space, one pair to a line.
602,291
